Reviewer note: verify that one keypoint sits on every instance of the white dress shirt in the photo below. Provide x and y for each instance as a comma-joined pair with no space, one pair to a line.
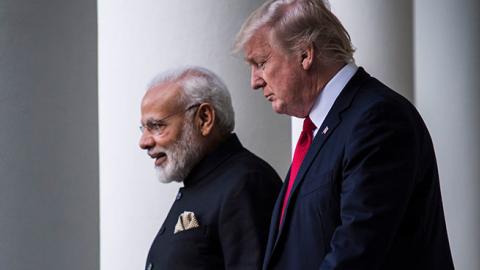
329,94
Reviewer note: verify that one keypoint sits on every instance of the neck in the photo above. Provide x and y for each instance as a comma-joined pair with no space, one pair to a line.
319,79
213,140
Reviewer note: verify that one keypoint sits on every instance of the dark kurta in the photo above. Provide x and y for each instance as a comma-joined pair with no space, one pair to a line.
232,193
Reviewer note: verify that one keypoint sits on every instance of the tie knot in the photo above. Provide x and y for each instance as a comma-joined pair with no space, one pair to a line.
308,125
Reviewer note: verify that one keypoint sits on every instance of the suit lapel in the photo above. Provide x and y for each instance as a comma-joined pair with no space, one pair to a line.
331,122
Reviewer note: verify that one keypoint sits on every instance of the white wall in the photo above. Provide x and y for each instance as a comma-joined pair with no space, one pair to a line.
137,39
48,135
447,61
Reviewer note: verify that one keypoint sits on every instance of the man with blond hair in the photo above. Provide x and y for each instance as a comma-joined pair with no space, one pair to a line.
220,216
363,190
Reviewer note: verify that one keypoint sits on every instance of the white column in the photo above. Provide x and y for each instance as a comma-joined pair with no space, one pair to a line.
48,135
137,39
381,31
447,43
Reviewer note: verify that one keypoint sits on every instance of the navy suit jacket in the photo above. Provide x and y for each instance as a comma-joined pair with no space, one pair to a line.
367,194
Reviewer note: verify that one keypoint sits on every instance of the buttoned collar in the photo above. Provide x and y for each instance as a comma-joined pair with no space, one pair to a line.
213,159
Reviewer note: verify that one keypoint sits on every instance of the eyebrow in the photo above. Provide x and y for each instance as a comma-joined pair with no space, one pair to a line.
156,121
253,58
153,121
249,60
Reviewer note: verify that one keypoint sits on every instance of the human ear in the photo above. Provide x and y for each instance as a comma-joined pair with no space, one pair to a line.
307,56
205,118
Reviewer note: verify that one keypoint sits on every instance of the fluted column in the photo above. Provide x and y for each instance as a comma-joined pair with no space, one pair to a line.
48,135
447,93
137,39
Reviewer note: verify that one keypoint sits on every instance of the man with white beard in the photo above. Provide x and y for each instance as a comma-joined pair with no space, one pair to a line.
220,218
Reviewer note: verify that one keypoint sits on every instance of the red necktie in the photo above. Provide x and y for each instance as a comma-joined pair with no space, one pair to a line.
304,142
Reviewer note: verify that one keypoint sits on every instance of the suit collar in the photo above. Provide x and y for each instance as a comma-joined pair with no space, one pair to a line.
213,159
330,93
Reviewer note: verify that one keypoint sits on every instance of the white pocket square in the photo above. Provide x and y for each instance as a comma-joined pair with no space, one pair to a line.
186,221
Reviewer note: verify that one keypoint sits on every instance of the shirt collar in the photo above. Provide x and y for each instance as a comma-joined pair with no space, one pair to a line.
329,94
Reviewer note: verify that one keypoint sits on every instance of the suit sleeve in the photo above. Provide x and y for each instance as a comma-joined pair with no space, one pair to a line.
378,179
244,221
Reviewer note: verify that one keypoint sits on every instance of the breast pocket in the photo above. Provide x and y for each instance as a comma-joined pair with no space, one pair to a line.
198,233
187,248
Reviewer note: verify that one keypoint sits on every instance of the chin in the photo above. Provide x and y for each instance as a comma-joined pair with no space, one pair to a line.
164,175
278,107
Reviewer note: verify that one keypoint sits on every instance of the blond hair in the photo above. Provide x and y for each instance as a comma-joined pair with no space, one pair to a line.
295,24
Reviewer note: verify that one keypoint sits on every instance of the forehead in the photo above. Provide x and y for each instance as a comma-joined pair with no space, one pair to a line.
258,45
161,100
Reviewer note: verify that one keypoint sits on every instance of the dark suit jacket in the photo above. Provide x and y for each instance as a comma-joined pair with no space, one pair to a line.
367,194
232,193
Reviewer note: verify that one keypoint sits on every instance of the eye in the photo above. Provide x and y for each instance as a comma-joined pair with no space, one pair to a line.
155,126
261,64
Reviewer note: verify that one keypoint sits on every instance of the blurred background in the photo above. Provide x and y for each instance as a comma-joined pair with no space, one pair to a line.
76,192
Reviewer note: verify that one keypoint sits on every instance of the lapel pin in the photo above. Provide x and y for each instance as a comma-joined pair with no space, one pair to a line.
325,130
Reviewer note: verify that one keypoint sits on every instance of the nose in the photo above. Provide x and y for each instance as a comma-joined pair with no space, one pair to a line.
146,141
256,79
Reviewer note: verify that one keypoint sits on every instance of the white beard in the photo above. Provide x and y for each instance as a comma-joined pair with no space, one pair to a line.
182,156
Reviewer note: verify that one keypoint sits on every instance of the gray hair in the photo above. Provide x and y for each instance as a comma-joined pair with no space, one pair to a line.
296,23
201,85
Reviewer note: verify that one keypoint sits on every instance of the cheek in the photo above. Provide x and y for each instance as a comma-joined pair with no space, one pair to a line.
168,138
283,90
163,142
279,81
